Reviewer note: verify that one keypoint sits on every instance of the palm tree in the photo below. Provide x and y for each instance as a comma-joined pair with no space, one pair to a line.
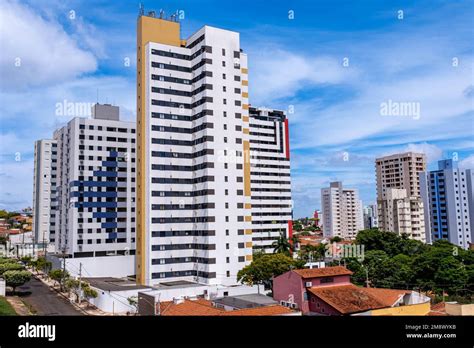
281,245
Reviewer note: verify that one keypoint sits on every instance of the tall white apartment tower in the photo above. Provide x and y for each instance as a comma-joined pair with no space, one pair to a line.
96,186
342,211
400,172
44,191
194,216
447,196
270,177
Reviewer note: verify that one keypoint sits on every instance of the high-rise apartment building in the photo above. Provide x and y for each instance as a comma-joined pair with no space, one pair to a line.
342,211
194,216
370,216
270,177
44,191
402,214
401,172
96,186
447,196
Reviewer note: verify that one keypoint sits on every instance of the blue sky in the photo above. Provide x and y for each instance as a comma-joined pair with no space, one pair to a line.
296,63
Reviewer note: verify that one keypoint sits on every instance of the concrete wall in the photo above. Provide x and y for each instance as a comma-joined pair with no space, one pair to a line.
2,287
416,309
459,309
115,302
107,266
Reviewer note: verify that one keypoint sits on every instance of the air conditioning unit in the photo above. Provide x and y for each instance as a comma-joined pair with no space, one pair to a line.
308,284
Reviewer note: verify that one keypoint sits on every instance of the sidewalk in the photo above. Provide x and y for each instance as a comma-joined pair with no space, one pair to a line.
18,305
85,307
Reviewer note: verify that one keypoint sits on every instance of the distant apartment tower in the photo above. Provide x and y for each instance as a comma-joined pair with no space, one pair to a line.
447,196
270,177
194,213
401,172
402,214
342,211
370,216
44,191
96,185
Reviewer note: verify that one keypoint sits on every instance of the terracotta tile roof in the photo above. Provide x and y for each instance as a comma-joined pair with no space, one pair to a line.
261,311
387,296
349,298
322,272
201,307
438,309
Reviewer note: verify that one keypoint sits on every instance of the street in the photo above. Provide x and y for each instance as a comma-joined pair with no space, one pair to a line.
46,301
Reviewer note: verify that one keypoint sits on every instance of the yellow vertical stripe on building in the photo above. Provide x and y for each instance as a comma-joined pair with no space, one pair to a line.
149,29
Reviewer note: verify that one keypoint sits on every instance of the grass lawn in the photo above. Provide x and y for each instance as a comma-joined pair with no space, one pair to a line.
5,307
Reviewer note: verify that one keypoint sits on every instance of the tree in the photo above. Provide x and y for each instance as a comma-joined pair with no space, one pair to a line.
16,278
88,292
265,267
5,267
335,239
451,276
41,264
297,226
313,253
281,245
59,275
133,301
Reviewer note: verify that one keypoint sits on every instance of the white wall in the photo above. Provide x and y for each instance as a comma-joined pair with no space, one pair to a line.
106,266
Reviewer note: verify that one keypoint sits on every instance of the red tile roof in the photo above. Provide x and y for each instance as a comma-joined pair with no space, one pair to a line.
322,272
201,307
348,299
438,309
261,311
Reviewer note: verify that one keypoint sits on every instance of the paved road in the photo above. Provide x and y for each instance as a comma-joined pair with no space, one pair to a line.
46,301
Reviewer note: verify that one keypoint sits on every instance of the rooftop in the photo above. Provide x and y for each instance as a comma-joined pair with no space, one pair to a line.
322,272
113,284
201,307
246,301
348,299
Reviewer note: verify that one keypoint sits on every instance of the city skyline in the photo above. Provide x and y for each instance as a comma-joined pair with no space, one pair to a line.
310,79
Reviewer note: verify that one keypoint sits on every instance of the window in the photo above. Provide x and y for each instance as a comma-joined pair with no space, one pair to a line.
327,280
223,51
223,63
223,76
224,89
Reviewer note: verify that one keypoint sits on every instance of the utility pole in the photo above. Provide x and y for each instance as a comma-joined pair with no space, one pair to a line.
367,277
44,245
64,270
80,278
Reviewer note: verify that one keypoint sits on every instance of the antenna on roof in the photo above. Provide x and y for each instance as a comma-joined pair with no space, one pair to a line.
162,13
141,10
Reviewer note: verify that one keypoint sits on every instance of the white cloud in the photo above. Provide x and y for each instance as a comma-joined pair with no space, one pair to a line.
43,49
467,163
432,152
277,73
